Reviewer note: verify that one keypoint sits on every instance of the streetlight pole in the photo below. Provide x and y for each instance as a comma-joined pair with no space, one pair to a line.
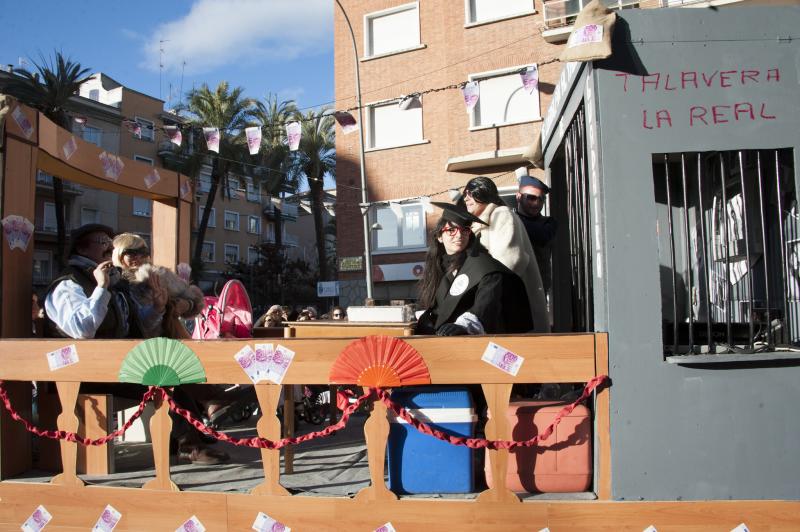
364,196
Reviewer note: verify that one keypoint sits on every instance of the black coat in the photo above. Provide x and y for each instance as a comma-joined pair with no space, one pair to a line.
485,288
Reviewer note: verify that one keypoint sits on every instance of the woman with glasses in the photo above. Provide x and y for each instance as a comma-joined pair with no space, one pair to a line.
465,290
504,236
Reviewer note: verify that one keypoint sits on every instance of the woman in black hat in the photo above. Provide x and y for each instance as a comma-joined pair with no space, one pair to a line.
464,289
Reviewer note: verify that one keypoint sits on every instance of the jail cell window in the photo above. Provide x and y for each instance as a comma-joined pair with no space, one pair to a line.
728,232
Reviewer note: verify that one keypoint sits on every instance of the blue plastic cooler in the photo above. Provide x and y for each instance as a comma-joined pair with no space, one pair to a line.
419,463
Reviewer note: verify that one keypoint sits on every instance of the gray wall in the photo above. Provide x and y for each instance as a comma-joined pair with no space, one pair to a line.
720,431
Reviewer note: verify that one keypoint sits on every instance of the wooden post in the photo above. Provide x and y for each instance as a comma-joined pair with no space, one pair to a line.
288,427
68,421
602,424
376,434
498,428
269,427
160,428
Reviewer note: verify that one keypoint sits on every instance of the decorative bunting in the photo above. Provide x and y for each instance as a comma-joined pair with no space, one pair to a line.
253,135
23,122
37,521
69,148
18,231
137,130
192,524
185,189
346,121
212,138
471,92
184,271
293,132
112,165
530,78
174,134
107,520
265,523
152,178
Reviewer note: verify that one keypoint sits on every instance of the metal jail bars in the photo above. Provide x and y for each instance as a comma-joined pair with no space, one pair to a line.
729,250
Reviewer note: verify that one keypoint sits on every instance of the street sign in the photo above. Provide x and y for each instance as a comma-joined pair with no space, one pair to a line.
328,289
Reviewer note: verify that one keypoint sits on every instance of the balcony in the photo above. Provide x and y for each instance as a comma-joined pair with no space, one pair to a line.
559,15
44,182
270,208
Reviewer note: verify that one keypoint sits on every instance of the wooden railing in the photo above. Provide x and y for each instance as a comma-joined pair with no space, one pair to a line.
551,358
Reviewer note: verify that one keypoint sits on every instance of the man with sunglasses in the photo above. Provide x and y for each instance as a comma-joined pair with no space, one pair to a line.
541,229
464,289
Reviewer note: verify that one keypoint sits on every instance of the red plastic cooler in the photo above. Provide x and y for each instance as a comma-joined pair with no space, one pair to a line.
560,464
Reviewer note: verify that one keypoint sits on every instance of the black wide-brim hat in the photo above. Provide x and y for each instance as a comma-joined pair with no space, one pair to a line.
457,214
84,230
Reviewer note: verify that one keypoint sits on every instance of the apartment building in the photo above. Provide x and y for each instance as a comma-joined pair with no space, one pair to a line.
433,145
301,235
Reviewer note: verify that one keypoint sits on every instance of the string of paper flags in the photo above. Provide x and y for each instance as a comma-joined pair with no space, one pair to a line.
529,77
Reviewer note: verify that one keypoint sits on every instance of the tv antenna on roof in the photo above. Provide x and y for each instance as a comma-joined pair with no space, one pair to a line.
160,63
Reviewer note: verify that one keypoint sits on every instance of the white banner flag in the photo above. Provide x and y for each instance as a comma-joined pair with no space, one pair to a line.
253,135
530,78
174,134
471,92
212,138
293,135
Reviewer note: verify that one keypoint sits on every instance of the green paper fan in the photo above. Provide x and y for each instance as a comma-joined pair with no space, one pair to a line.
161,362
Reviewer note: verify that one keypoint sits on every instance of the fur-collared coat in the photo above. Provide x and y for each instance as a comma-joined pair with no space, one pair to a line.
507,241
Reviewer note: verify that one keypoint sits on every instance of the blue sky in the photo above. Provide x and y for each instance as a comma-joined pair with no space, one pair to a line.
278,46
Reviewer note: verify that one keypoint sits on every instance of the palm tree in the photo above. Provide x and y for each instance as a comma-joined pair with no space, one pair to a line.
229,111
316,158
49,89
272,116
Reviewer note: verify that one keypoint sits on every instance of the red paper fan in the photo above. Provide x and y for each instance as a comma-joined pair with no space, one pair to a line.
379,361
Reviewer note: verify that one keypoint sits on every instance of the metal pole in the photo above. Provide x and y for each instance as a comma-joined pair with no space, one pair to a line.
364,196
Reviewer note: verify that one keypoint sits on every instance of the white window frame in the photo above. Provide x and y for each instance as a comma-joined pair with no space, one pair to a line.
368,54
370,124
213,251
145,213
227,247
376,250
225,220
469,18
269,232
502,72
143,159
212,218
250,218
148,128
49,228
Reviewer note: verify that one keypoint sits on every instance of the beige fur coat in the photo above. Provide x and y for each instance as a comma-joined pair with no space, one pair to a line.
508,243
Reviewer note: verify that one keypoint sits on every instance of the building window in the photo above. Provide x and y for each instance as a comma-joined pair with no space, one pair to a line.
253,256
148,129
49,218
392,30
399,232
212,218
253,193
142,159
42,267
93,135
231,220
204,182
209,252
389,126
479,11
94,94
231,253
142,207
503,100
89,216
254,225
269,233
